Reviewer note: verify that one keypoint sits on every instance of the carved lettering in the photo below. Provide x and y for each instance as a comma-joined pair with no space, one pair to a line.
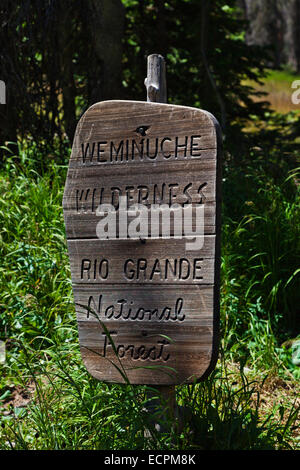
179,269
141,150
125,309
96,269
131,351
88,199
142,213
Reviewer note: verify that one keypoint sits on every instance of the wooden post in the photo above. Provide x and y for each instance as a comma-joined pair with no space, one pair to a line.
158,295
155,81
156,86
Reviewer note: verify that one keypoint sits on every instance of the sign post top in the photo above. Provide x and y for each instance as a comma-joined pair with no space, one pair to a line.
155,81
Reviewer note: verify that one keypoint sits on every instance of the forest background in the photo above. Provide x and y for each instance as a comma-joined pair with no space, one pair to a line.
236,59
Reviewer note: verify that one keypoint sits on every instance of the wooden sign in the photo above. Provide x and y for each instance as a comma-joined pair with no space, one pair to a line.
147,295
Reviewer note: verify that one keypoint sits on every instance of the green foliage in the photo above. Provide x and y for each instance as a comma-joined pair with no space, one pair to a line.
71,410
54,62
227,414
269,234
33,249
207,57
209,65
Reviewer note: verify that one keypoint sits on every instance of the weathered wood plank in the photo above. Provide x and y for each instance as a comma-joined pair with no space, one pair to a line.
182,183
197,302
84,224
169,328
157,261
166,133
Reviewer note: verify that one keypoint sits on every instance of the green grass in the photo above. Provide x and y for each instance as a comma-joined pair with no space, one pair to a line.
282,77
278,88
47,398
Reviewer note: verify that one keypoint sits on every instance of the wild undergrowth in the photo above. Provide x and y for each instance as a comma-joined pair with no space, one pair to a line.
47,398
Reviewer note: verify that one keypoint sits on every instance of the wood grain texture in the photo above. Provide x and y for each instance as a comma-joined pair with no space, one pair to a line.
155,82
176,321
117,121
158,299
84,224
191,183
157,261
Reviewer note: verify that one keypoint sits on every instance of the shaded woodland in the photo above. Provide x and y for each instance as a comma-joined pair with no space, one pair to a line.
276,24
56,59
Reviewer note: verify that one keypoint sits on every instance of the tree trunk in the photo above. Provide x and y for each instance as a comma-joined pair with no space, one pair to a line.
66,79
275,23
106,19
